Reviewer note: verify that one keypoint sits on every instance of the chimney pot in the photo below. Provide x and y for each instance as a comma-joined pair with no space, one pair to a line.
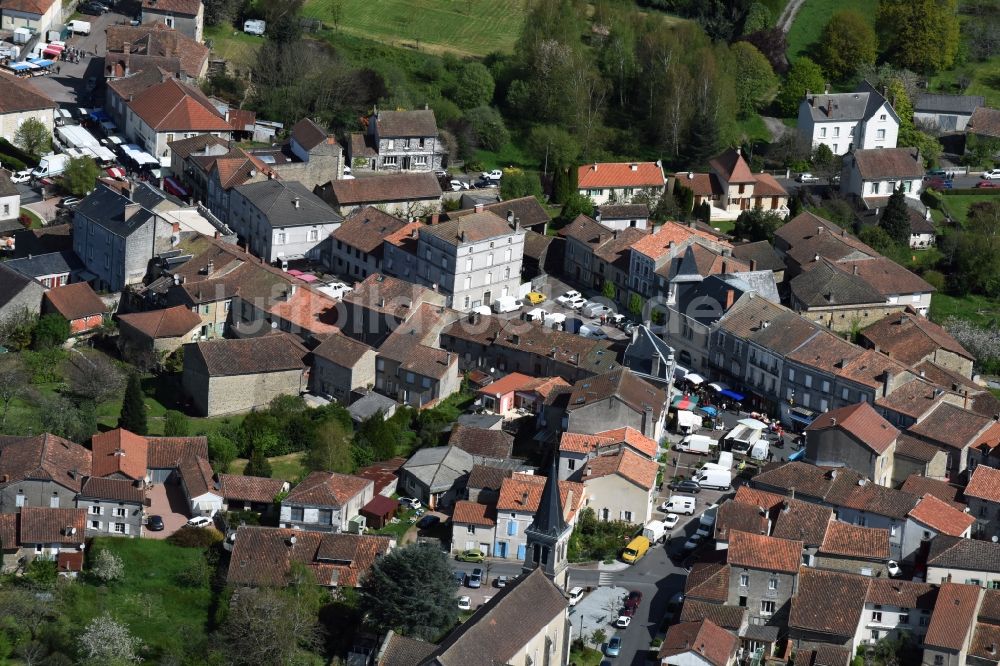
479,208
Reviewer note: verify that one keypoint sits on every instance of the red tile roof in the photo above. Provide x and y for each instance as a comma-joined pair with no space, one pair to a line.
860,421
167,452
119,490
952,426
713,644
263,556
174,322
708,581
984,484
901,593
249,488
627,464
922,485
249,356
172,105
702,184
942,517
731,166
953,616
828,602
381,473
8,531
854,541
883,163
762,498
671,236
38,7
45,458
189,7
910,338
75,301
619,174
758,551
328,489
985,122
515,381
473,513
633,438
523,493
119,451
44,525
609,439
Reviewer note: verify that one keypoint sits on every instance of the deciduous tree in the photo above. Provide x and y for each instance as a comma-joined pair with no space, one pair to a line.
757,224
14,380
93,376
474,86
51,331
487,127
81,175
518,183
105,640
848,42
330,450
922,35
804,75
33,137
258,465
107,566
756,83
411,590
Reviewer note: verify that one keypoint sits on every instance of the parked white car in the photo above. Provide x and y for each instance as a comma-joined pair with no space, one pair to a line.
496,174
457,185
567,297
199,521
22,176
992,174
595,332
670,522
807,178
464,603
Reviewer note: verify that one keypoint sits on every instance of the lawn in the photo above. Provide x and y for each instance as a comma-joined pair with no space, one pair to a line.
228,43
161,604
983,79
957,205
812,18
582,655
405,520
288,467
979,310
509,155
36,222
463,27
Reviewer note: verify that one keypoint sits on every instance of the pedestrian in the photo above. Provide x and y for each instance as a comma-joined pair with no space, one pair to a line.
58,69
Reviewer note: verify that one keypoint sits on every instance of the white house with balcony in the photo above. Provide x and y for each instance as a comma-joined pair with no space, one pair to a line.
621,182
845,121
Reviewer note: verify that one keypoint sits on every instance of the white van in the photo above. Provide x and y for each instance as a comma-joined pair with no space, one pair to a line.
708,477
505,304
696,444
254,27
575,595
538,314
555,320
679,504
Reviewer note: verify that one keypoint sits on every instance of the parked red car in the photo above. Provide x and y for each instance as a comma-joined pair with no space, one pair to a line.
987,184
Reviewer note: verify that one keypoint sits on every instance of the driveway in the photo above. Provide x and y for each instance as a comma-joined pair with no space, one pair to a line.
167,500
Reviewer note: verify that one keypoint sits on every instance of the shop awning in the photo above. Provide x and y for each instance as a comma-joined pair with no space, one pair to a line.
52,52
308,277
116,172
798,455
708,410
732,395
799,417
41,62
98,115
694,378
685,402
718,386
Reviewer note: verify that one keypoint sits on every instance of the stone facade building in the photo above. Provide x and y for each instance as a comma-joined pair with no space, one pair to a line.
325,502
398,141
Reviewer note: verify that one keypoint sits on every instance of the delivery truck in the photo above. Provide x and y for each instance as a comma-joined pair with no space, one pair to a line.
696,444
655,531
50,165
708,477
79,27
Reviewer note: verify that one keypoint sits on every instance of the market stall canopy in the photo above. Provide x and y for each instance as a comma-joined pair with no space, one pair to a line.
753,423
687,419
708,410
694,378
732,395
684,401
718,386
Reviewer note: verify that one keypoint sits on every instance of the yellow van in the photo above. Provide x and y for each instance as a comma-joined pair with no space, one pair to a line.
635,549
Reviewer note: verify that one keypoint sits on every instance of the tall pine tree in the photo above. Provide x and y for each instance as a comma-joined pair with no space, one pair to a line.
133,415
703,140
258,465
896,219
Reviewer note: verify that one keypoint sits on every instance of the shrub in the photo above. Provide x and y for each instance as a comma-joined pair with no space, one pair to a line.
107,566
196,537
7,148
195,575
11,162
935,279
176,425
51,331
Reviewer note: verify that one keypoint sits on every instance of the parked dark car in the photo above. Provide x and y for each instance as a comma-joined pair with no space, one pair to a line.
155,524
633,599
940,184
92,8
428,522
686,486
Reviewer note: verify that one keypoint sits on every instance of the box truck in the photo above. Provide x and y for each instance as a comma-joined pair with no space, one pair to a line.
50,165
708,477
696,444
635,549
655,531
79,27
679,504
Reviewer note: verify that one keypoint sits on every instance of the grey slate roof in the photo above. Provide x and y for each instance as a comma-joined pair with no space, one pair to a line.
406,124
623,211
958,104
106,208
439,467
857,105
968,554
503,626
761,282
639,354
7,188
52,263
370,405
276,199
403,651
13,283
761,252
825,285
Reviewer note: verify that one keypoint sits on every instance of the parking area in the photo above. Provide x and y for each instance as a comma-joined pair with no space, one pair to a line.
597,610
488,588
166,501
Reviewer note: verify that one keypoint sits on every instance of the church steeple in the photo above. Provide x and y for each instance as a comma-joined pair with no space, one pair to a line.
548,535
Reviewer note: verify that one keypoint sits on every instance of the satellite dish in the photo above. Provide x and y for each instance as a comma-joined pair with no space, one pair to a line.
274,324
994,539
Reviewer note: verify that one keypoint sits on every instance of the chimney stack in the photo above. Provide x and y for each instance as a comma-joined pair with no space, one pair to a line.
479,208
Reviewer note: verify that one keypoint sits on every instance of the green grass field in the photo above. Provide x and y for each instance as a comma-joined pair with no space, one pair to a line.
167,612
983,78
813,16
979,310
462,27
957,205
288,468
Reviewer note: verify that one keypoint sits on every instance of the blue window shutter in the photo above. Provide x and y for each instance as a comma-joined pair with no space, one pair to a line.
496,550
511,527
521,551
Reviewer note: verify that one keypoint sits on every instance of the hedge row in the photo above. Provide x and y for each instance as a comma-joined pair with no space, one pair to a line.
7,148
981,191
12,163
